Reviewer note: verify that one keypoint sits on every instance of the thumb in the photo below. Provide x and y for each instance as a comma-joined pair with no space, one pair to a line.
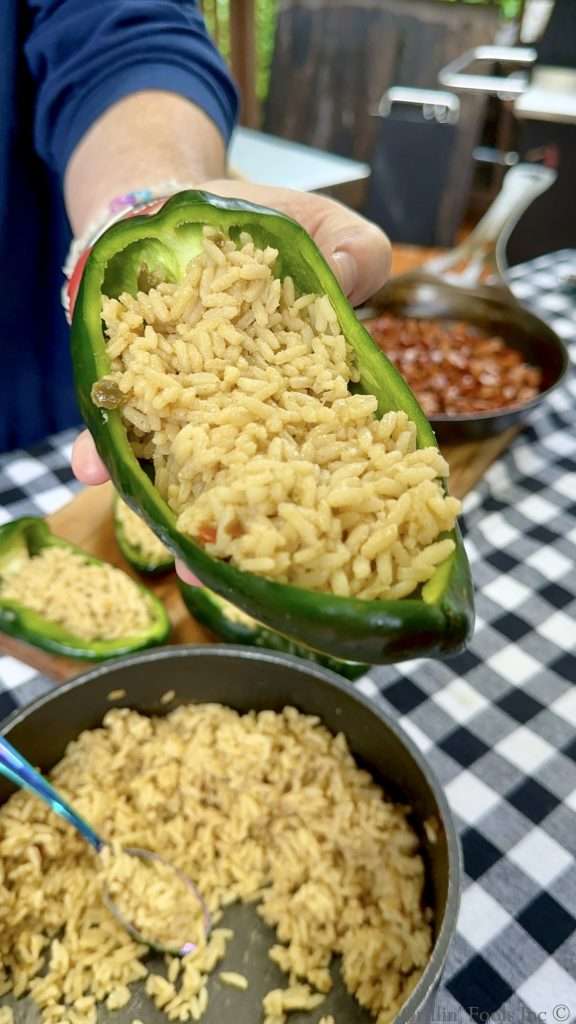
186,576
358,251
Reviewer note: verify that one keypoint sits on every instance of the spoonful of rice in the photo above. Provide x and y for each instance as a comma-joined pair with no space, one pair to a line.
155,902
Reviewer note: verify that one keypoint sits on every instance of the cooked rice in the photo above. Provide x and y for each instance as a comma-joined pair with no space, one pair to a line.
281,1001
235,980
263,808
150,894
239,392
91,600
140,536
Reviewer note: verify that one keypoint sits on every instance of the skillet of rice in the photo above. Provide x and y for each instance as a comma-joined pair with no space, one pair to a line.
262,809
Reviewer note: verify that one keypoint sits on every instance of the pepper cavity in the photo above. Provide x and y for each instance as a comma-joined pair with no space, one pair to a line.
149,278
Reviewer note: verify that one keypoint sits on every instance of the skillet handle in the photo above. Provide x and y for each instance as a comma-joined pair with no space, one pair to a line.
475,259
18,770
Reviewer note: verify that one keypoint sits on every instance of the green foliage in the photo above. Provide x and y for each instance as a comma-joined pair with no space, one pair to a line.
509,8
216,13
266,16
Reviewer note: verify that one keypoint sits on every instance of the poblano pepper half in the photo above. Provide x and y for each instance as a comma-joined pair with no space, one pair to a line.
27,537
137,555
233,626
434,623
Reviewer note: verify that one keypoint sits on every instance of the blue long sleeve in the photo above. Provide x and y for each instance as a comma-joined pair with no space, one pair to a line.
85,55
62,64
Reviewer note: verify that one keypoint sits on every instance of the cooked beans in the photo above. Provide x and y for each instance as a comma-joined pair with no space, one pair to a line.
452,368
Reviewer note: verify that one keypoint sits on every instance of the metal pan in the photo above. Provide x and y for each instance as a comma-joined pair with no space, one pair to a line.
467,284
246,679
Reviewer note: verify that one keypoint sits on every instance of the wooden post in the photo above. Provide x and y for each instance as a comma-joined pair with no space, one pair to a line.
243,57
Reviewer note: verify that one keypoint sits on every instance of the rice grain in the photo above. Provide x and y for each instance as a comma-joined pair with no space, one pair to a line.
234,979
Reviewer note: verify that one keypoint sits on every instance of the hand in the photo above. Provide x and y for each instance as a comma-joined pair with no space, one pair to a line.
358,252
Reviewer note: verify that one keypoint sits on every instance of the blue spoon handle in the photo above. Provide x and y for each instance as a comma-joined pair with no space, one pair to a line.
20,771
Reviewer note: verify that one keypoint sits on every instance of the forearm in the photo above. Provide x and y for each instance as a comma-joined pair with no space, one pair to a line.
142,141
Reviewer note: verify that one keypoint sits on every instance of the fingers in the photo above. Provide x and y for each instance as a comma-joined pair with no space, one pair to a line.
87,465
89,469
357,250
186,576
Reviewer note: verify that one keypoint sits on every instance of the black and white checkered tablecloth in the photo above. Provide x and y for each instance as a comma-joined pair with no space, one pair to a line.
498,723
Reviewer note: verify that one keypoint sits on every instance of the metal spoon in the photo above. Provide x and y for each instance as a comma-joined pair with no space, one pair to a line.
19,771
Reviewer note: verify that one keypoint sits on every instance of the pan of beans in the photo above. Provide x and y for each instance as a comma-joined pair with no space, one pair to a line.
477,360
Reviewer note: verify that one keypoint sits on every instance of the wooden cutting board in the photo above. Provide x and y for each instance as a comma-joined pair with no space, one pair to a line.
87,521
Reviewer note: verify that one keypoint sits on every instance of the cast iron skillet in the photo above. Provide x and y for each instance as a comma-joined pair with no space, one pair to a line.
450,288
246,679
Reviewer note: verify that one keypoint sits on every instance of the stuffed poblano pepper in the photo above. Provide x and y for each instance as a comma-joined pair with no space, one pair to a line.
139,545
247,415
230,624
57,597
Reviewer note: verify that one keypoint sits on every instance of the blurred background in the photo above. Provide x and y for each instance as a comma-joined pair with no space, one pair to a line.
409,110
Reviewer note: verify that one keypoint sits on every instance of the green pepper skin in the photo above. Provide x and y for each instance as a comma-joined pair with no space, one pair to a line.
29,536
438,622
210,611
133,554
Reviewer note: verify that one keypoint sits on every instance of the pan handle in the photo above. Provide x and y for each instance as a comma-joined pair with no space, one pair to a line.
455,76
475,259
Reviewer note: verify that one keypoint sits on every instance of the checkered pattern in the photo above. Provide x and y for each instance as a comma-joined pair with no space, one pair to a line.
498,723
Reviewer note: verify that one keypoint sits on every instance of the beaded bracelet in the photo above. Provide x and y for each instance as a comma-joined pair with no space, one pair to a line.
119,207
